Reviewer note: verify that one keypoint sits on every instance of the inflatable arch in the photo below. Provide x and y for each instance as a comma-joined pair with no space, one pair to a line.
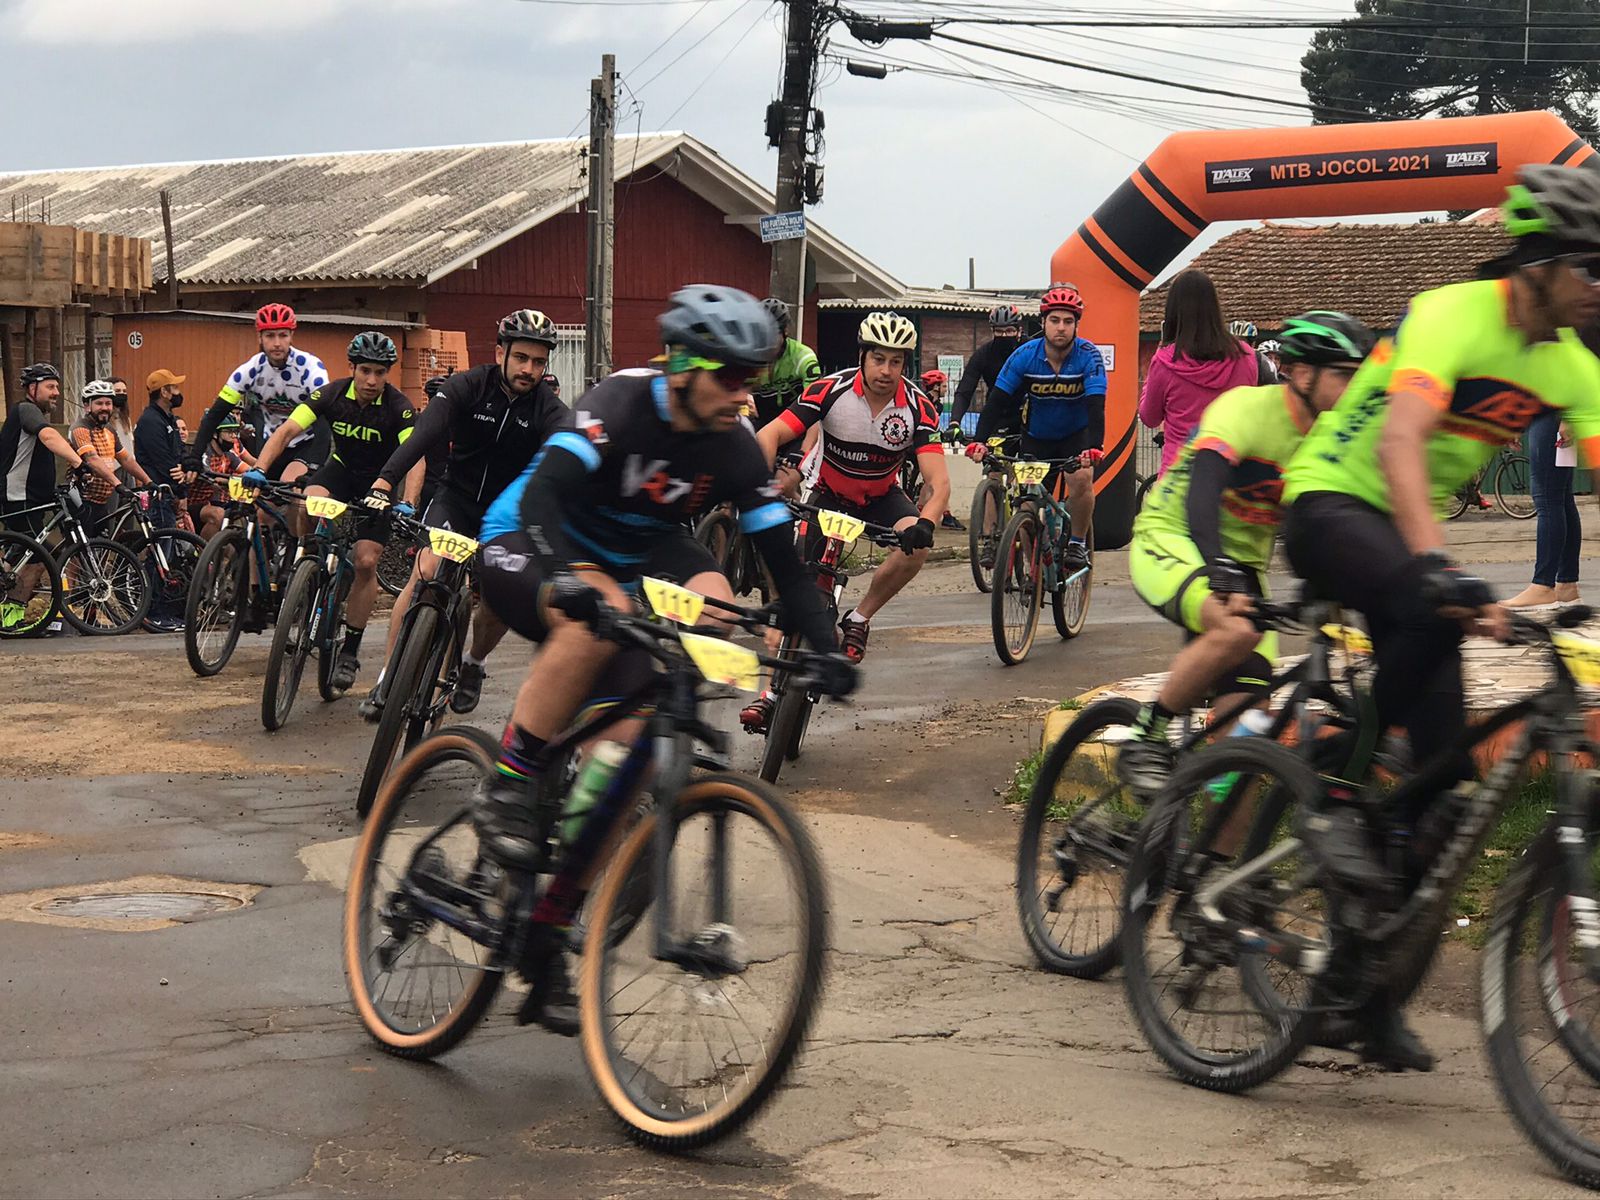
1193,179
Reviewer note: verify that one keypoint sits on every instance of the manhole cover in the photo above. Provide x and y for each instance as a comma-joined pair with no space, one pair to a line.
140,906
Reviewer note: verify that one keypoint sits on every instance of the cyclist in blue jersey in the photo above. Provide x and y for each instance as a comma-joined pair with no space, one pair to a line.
1054,388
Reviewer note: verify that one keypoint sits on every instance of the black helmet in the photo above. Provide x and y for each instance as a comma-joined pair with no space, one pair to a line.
722,324
38,373
1559,203
372,347
434,386
779,312
1324,338
527,325
1005,316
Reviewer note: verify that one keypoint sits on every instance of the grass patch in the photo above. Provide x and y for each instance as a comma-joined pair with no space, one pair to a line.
1518,825
1022,779
1072,705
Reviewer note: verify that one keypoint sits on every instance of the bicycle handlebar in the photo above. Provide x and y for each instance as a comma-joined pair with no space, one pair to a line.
882,535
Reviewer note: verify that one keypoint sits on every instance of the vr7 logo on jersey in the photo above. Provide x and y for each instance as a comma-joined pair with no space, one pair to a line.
360,433
652,480
592,428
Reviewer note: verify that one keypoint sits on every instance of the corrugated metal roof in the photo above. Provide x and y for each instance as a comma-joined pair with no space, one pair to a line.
945,299
370,215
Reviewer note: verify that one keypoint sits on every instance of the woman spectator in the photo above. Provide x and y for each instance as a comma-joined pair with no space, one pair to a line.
1558,538
1198,361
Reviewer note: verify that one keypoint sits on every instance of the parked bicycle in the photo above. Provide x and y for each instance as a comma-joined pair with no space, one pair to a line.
703,956
30,586
1028,563
1510,482
240,576
170,555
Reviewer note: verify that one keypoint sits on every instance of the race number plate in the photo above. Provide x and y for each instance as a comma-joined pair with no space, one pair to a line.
1031,472
238,490
454,546
1581,655
723,662
1350,638
997,443
325,507
673,602
840,525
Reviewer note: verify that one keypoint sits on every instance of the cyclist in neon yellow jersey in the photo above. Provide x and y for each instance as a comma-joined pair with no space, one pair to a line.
1471,365
796,366
1203,540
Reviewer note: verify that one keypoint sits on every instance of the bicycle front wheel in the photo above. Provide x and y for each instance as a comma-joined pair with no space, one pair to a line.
214,612
291,645
394,566
30,586
1513,489
104,589
408,692
686,1052
1018,588
983,530
1069,602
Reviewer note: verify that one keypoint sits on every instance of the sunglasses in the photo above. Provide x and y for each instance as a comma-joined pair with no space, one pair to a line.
1585,266
731,376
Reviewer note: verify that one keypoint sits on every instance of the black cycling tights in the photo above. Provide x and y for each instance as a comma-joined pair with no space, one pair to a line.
1352,553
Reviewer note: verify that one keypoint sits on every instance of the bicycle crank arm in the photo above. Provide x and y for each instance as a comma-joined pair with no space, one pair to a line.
1305,957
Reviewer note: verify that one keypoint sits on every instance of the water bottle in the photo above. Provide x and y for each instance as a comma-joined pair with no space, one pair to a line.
1253,723
590,785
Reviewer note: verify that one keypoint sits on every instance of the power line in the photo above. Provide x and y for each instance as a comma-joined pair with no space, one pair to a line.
706,78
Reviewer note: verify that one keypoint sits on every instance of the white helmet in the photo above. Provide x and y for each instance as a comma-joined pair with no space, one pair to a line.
1242,329
1270,346
887,331
97,388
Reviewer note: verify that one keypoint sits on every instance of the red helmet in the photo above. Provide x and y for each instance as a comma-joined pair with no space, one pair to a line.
275,316
931,378
1061,296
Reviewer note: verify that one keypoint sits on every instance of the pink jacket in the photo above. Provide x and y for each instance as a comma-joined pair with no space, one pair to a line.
1177,390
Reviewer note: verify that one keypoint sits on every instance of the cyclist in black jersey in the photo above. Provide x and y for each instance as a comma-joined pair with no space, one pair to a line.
606,502
369,419
492,419
1005,323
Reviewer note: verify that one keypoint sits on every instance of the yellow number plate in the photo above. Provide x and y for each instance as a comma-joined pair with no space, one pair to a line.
840,525
454,546
997,443
1031,472
238,491
1349,637
723,662
1581,655
325,507
673,602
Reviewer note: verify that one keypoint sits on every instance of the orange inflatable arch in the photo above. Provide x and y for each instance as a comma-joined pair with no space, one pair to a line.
1193,179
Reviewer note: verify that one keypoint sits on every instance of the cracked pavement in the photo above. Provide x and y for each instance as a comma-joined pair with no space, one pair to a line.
221,1057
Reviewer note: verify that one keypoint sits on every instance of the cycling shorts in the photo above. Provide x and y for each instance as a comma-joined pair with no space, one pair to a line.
344,484
313,452
1170,575
888,509
451,510
1067,447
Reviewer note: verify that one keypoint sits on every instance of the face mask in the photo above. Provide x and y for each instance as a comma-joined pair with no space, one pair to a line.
227,444
177,400
119,401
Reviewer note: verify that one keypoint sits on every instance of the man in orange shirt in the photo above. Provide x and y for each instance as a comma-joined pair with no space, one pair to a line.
101,450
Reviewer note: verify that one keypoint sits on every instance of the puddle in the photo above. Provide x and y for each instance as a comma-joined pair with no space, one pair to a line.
138,905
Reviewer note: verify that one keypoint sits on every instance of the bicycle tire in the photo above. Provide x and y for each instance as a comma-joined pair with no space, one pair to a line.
791,752
1157,859
333,637
1143,492
646,1123
1513,488
291,645
717,532
1456,505
215,574
478,750
183,555
990,494
1018,580
121,595
394,565
784,730
1099,955
411,658
1071,618
14,547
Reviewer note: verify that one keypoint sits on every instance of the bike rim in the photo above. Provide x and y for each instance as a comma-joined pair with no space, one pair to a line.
222,593
1019,576
96,584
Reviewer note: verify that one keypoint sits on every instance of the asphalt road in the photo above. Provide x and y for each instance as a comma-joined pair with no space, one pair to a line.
220,1056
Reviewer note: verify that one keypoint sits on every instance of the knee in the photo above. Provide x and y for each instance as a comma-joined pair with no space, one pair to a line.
367,556
1239,634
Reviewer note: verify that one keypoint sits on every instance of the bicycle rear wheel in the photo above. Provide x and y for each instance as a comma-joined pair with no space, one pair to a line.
1077,837
984,527
394,566
104,589
34,605
419,985
214,610
1018,588
685,1054
291,644
789,721
408,691
1513,488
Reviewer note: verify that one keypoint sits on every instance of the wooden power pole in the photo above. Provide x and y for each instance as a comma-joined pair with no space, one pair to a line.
602,221
791,126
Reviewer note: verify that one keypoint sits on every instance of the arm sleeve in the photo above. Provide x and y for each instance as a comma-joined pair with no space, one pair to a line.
432,428
1094,396
561,467
32,418
965,390
804,610
1153,402
1001,408
1208,479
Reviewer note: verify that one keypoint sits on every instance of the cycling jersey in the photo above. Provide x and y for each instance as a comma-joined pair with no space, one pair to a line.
90,439
1257,430
29,471
1457,347
776,387
861,452
491,434
364,435
275,391
1054,404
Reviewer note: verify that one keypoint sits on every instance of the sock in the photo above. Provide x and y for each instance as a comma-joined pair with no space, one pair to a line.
352,639
853,615
471,660
521,753
1075,541
559,904
1152,721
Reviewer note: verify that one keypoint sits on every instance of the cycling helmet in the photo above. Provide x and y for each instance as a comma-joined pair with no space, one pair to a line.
1270,346
1562,203
1324,338
228,424
779,312
1242,329
1005,316
372,347
275,316
436,385
934,379
38,373
887,331
527,325
722,324
95,389
1062,296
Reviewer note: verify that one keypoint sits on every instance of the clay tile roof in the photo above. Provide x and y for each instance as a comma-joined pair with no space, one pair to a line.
1272,272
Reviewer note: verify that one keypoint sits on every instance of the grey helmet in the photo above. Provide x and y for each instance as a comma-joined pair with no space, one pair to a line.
1005,316
779,312
722,324
38,373
1561,203
527,325
372,347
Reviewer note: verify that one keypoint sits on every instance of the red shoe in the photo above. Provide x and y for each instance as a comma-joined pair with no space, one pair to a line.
757,714
854,639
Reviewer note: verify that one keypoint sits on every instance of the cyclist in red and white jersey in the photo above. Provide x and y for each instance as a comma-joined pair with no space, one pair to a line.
872,419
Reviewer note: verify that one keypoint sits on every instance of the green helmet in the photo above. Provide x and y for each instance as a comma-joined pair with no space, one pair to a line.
1323,338
1562,203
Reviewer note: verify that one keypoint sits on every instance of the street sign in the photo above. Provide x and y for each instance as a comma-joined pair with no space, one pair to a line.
783,227
1108,354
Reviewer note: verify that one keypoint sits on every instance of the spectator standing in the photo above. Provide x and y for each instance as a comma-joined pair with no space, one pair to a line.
1198,360
94,437
1558,538
159,447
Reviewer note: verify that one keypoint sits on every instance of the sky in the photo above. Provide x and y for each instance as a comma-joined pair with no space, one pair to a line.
922,172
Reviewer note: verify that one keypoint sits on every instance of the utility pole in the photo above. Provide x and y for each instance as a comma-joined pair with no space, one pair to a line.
602,222
788,123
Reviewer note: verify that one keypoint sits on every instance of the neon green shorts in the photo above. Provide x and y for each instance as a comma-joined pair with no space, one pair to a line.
1170,575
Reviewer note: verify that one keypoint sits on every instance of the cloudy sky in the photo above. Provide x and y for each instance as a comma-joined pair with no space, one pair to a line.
922,170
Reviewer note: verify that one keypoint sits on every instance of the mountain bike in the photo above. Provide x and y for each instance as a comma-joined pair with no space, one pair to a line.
1028,563
27,609
238,581
1082,821
705,930
103,585
394,566
312,615
792,702
1262,943
170,555
427,653
993,502
718,531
